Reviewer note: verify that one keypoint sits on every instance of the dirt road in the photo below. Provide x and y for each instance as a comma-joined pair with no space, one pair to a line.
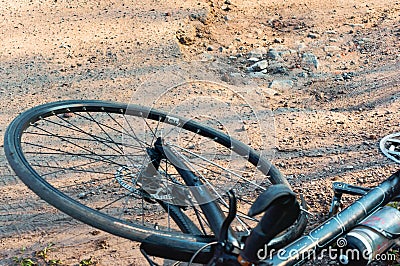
329,71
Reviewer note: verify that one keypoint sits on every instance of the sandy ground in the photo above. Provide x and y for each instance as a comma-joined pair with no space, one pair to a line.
329,71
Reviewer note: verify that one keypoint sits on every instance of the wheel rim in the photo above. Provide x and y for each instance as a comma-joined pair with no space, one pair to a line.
79,191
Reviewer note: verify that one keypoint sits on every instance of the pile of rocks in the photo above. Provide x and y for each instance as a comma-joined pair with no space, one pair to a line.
283,64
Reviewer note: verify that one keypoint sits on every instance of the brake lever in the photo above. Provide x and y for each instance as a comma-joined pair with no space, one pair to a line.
223,233
223,253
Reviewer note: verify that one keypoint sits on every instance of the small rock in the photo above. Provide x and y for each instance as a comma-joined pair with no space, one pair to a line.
356,25
207,57
245,127
331,48
185,38
258,52
210,48
95,232
278,40
348,76
271,92
227,18
258,74
226,7
273,54
320,96
339,78
82,195
261,65
281,84
303,75
310,59
361,180
278,68
313,35
301,46
253,59
330,32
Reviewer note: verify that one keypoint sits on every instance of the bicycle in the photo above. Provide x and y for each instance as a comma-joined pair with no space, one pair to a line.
163,184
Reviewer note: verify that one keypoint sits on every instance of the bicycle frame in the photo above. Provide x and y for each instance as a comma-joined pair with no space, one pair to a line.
304,248
307,247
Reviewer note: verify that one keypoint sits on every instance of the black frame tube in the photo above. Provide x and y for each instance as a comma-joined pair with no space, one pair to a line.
308,246
211,210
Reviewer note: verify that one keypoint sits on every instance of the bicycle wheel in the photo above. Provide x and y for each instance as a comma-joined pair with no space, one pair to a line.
390,146
86,157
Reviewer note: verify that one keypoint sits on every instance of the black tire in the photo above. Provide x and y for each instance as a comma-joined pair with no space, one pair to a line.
30,168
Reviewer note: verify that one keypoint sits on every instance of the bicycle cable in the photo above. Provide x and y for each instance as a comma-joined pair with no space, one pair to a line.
199,250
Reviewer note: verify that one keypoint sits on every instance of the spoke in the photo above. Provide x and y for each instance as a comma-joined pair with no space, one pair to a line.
69,168
114,201
118,131
156,130
78,154
125,207
200,219
83,155
127,133
142,212
70,142
210,185
111,180
147,124
76,129
204,166
217,165
194,135
216,155
124,129
105,132
85,139
55,172
242,215
204,141
166,178
171,130
141,142
87,182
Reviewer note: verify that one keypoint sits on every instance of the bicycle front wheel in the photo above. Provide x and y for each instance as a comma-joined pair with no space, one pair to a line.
86,157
